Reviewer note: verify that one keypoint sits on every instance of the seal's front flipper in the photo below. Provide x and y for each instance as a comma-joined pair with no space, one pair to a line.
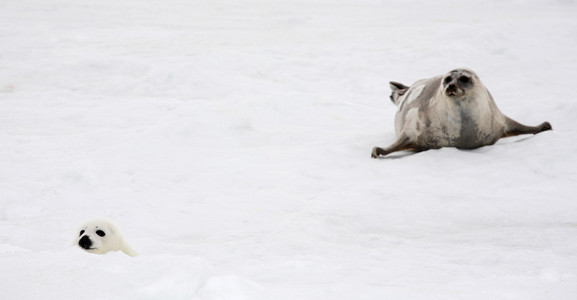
403,143
513,128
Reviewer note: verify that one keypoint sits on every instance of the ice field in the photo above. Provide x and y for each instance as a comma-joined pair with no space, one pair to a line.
231,141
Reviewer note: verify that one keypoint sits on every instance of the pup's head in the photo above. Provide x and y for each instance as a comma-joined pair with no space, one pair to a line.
101,236
457,83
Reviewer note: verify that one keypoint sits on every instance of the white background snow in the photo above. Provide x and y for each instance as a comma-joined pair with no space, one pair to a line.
231,140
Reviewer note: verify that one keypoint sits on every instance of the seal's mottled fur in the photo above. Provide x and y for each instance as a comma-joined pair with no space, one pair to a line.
453,110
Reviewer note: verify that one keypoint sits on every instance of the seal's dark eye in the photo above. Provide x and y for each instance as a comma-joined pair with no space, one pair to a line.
81,232
100,233
447,80
464,79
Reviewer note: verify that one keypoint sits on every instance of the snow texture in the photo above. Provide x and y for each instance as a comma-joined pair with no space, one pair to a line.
231,140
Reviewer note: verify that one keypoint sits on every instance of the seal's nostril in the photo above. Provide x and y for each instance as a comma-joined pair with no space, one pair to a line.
85,242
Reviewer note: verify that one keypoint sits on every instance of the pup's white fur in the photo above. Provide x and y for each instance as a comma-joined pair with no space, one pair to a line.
101,236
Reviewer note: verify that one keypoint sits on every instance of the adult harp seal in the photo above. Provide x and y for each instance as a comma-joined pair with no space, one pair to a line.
452,110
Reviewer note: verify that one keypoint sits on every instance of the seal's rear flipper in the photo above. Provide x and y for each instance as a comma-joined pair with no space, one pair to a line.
398,89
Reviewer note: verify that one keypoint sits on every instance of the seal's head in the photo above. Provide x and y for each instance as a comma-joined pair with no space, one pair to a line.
101,236
457,83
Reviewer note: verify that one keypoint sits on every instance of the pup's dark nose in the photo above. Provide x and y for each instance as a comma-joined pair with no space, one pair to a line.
85,242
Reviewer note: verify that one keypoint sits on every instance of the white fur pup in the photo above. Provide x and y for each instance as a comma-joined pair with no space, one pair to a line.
101,236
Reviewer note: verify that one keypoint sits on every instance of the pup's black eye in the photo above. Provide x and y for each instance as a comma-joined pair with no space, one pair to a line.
81,232
448,79
100,233
464,79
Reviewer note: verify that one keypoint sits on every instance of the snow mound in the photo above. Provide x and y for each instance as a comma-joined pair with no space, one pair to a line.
75,274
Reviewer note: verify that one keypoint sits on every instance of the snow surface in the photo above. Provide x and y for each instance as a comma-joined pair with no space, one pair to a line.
231,140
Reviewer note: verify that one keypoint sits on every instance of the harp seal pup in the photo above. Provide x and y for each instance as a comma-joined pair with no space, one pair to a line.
452,110
101,236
